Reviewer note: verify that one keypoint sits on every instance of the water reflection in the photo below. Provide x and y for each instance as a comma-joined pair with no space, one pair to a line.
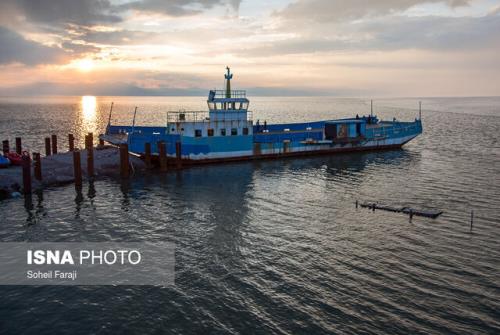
89,117
89,104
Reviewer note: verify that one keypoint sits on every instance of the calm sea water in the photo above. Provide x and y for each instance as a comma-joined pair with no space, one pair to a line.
276,246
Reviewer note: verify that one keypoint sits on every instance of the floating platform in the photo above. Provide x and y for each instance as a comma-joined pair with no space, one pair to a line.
432,213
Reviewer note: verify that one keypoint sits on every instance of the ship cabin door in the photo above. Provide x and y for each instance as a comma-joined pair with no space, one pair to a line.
330,131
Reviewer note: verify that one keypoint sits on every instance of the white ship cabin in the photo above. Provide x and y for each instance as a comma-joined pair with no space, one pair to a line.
227,115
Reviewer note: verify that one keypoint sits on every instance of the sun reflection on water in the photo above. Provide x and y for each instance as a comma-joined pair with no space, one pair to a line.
89,122
89,104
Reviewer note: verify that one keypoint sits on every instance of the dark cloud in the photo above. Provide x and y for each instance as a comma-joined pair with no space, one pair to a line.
67,19
393,33
61,12
51,13
437,33
344,10
177,7
16,49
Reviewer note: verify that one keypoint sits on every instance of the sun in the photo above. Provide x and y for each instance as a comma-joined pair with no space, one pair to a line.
85,64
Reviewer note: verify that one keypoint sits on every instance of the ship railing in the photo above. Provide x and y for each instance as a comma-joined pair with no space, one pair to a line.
234,94
204,116
397,129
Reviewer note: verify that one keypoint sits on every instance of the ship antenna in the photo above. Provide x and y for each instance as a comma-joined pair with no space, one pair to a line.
420,110
133,121
110,111
228,77
371,108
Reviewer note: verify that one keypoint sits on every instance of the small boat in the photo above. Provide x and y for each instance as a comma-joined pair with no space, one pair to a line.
15,158
4,162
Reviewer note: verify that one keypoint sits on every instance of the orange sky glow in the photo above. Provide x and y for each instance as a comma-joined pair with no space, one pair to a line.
276,47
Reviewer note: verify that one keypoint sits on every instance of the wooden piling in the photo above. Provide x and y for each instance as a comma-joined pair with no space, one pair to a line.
162,151
91,139
77,168
178,154
26,161
356,204
5,147
19,147
54,144
147,155
38,166
71,142
411,214
124,162
47,146
90,154
471,220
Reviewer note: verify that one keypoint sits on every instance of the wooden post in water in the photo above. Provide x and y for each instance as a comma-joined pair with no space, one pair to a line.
89,141
162,155
71,142
54,144
47,146
178,154
356,204
77,169
5,147
471,220
38,166
147,155
124,163
19,147
26,161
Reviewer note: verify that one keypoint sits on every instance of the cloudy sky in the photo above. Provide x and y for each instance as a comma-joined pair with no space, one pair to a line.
275,47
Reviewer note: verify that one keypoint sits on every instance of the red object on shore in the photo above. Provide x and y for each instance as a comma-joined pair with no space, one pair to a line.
15,158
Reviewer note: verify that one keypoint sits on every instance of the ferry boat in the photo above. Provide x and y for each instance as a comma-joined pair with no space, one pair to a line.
227,132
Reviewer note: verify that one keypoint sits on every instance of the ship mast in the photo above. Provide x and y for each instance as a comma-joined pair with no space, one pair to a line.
228,77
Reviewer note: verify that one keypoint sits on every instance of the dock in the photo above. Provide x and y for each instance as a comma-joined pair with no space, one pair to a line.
60,168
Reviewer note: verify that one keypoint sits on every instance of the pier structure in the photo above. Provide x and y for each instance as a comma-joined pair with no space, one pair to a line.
55,168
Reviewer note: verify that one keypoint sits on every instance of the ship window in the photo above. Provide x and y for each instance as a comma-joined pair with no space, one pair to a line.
245,131
173,129
223,132
182,129
234,131
210,132
197,132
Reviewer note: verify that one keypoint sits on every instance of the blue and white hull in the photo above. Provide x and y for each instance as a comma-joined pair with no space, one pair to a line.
227,132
